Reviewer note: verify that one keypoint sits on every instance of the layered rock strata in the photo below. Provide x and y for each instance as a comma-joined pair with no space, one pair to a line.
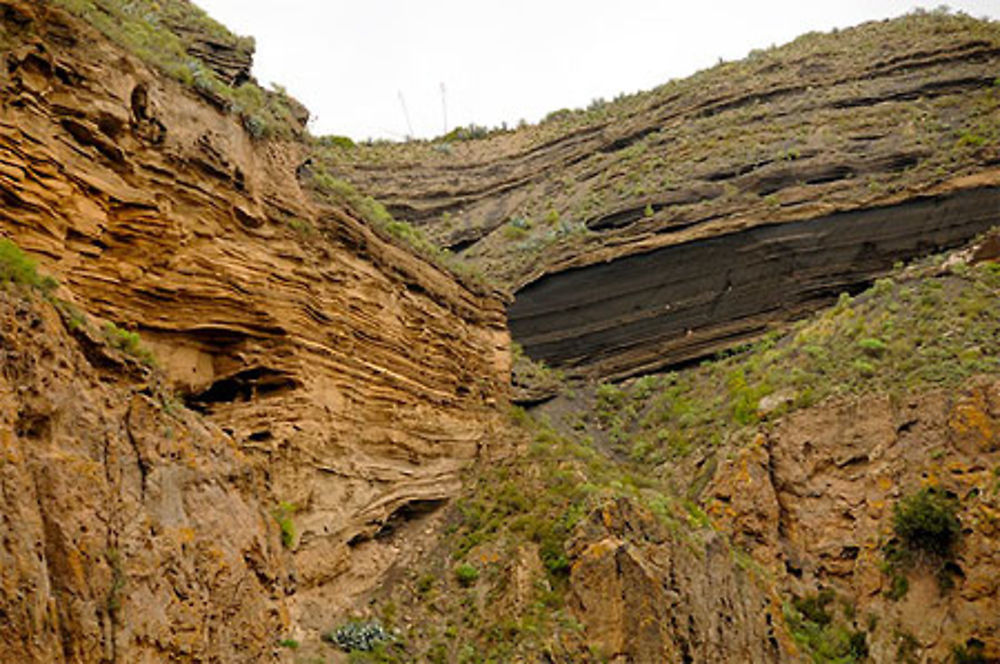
686,300
886,117
355,378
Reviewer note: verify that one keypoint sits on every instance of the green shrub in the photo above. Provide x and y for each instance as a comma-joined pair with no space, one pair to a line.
470,133
283,515
18,268
813,607
899,585
425,584
466,575
359,636
907,646
332,141
291,644
813,627
128,342
970,653
927,523
873,347
517,228
863,367
926,528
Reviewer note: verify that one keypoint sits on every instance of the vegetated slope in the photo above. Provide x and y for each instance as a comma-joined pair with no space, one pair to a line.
667,225
353,379
760,507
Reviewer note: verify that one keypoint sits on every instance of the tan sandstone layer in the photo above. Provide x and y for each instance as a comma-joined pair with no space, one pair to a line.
355,378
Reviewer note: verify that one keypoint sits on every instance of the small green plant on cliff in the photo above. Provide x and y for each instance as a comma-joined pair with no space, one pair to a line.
827,639
926,529
517,228
359,636
17,268
927,523
466,575
531,374
128,342
971,652
469,133
334,141
283,515
113,601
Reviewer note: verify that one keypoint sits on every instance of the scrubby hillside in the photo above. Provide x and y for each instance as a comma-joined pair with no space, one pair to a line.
829,494
670,224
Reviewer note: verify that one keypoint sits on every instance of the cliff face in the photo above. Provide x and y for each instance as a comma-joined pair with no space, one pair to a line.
350,379
812,500
751,508
133,531
644,596
687,300
809,506
655,229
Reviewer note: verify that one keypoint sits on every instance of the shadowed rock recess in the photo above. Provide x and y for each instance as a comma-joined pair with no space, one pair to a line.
260,412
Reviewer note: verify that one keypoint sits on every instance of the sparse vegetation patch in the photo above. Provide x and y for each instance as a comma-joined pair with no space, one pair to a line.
17,268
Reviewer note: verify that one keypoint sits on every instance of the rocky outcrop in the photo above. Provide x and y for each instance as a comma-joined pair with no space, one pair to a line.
687,300
813,500
647,595
868,123
353,378
133,530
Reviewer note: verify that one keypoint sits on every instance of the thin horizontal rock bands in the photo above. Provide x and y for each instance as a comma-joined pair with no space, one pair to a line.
689,300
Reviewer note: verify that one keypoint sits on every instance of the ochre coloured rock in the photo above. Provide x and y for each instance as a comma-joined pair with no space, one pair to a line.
812,500
349,377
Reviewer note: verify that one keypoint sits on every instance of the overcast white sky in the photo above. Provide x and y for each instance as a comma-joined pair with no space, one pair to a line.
348,61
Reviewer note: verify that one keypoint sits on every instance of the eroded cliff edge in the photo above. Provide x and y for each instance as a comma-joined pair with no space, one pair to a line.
349,378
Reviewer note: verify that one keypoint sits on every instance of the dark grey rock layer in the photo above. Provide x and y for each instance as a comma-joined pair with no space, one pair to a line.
689,300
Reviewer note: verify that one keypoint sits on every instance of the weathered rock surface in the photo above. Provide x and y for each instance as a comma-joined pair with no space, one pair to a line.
647,595
355,378
132,530
813,499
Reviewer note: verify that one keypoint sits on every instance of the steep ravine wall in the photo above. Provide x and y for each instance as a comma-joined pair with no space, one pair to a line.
812,500
131,531
352,378
688,300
